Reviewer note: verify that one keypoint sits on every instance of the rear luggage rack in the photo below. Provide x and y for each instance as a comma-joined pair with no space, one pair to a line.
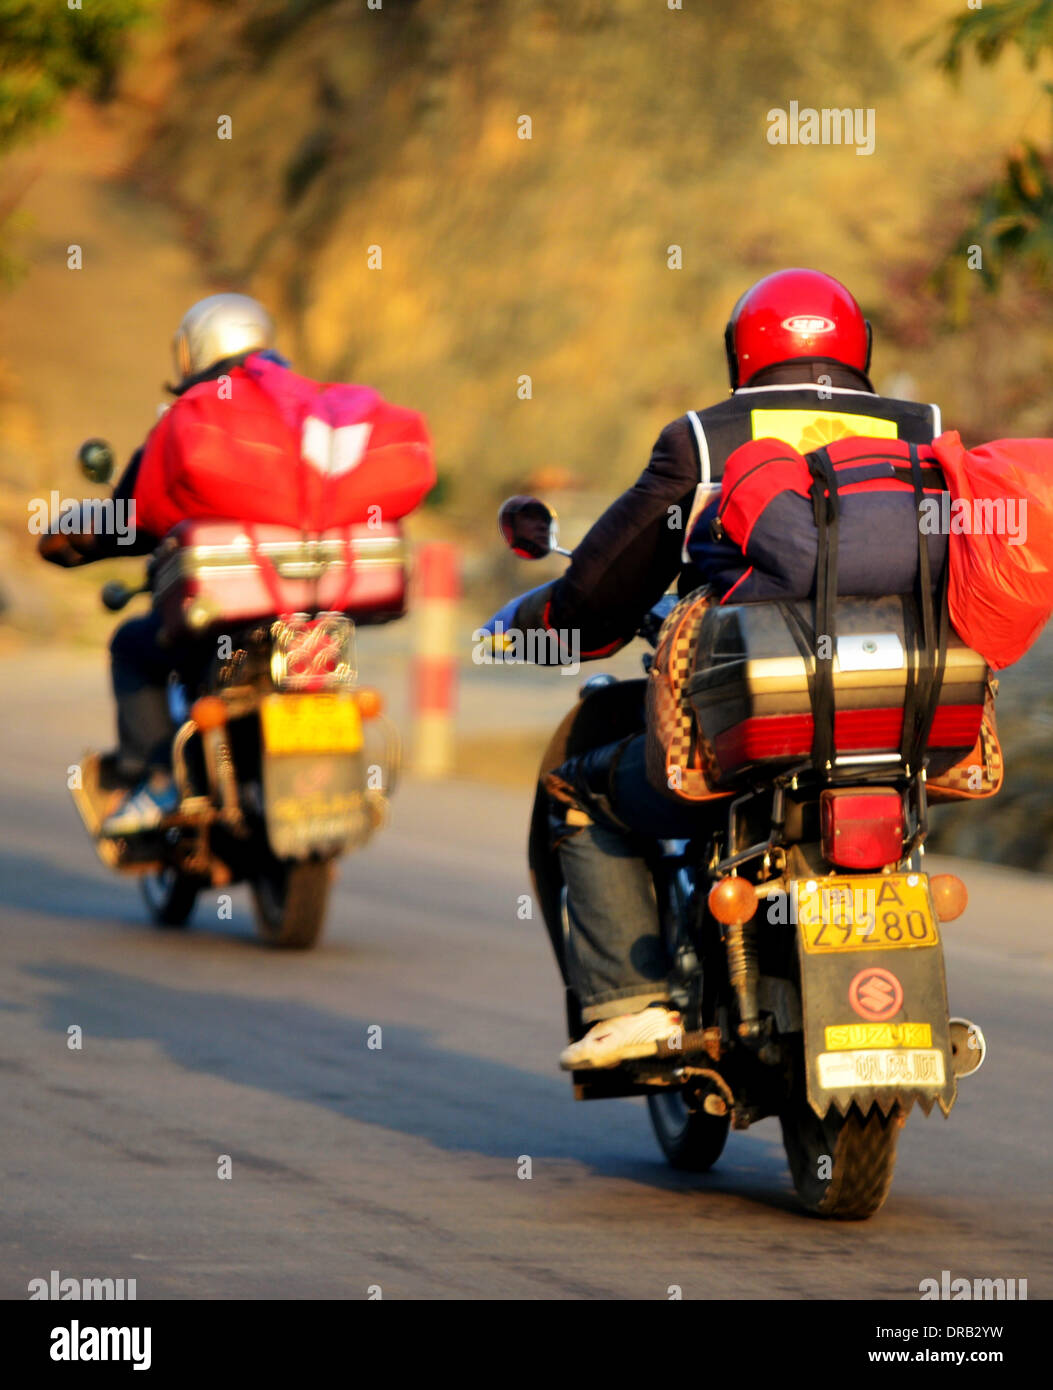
804,778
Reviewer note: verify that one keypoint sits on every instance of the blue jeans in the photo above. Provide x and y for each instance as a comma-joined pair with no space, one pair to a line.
617,961
140,666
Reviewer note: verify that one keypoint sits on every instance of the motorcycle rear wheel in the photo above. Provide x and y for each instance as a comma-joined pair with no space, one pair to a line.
291,898
842,1165
170,896
691,1140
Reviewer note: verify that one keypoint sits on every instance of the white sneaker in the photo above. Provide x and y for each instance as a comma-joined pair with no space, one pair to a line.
141,810
622,1039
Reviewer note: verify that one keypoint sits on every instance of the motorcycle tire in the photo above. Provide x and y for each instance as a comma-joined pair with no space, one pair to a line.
842,1165
170,897
291,898
691,1140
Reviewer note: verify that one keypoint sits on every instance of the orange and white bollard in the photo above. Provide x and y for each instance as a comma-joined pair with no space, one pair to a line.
435,667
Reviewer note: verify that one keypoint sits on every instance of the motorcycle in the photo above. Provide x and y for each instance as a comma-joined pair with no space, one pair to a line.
804,935
282,761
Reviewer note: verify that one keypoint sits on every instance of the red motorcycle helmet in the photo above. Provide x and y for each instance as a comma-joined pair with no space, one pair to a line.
793,315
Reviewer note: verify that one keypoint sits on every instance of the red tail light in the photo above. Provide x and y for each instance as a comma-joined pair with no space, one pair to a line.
862,827
312,653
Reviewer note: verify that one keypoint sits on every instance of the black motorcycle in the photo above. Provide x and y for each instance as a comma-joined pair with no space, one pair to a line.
804,936
282,760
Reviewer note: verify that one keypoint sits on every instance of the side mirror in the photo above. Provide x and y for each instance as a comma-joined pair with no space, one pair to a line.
529,527
96,460
116,595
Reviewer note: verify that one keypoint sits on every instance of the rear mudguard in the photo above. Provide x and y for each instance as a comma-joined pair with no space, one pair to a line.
903,1053
604,715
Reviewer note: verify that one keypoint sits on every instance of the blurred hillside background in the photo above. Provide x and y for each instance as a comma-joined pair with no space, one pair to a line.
502,257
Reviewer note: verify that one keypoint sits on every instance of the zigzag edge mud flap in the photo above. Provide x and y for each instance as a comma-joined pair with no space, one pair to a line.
315,803
855,1033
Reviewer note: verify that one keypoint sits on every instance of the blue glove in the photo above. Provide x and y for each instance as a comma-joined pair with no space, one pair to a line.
506,616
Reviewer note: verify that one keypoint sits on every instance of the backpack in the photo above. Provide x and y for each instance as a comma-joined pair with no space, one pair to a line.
267,445
760,540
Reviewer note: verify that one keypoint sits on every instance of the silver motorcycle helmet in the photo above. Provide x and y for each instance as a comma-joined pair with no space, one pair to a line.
220,326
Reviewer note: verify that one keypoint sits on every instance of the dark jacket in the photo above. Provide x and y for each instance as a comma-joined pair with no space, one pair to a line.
634,552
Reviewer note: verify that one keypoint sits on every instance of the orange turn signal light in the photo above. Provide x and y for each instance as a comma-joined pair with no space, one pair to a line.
732,901
950,897
370,702
208,713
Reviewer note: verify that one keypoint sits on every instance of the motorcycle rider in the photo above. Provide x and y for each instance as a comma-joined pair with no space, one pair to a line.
215,336
798,353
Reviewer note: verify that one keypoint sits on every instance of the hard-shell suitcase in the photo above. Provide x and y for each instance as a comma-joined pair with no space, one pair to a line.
753,686
210,572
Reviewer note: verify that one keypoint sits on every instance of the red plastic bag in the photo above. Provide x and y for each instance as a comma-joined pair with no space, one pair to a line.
277,448
1000,521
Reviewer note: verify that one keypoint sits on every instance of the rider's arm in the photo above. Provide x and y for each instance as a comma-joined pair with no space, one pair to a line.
72,549
629,557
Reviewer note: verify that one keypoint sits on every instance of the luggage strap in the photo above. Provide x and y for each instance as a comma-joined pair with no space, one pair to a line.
929,646
825,508
272,580
923,698
339,604
268,571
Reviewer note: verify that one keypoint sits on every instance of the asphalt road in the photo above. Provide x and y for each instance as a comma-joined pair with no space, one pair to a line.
355,1166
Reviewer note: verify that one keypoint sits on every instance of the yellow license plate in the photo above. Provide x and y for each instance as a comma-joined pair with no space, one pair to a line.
866,914
311,724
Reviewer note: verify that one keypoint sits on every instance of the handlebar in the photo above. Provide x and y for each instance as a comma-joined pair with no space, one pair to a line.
116,595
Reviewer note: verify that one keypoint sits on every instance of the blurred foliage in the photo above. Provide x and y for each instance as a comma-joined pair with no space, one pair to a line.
1012,224
1012,221
991,29
48,50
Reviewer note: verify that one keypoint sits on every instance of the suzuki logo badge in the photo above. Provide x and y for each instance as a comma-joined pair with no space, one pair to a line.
875,994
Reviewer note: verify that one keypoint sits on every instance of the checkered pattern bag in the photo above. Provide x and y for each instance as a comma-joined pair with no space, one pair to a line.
680,762
982,772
